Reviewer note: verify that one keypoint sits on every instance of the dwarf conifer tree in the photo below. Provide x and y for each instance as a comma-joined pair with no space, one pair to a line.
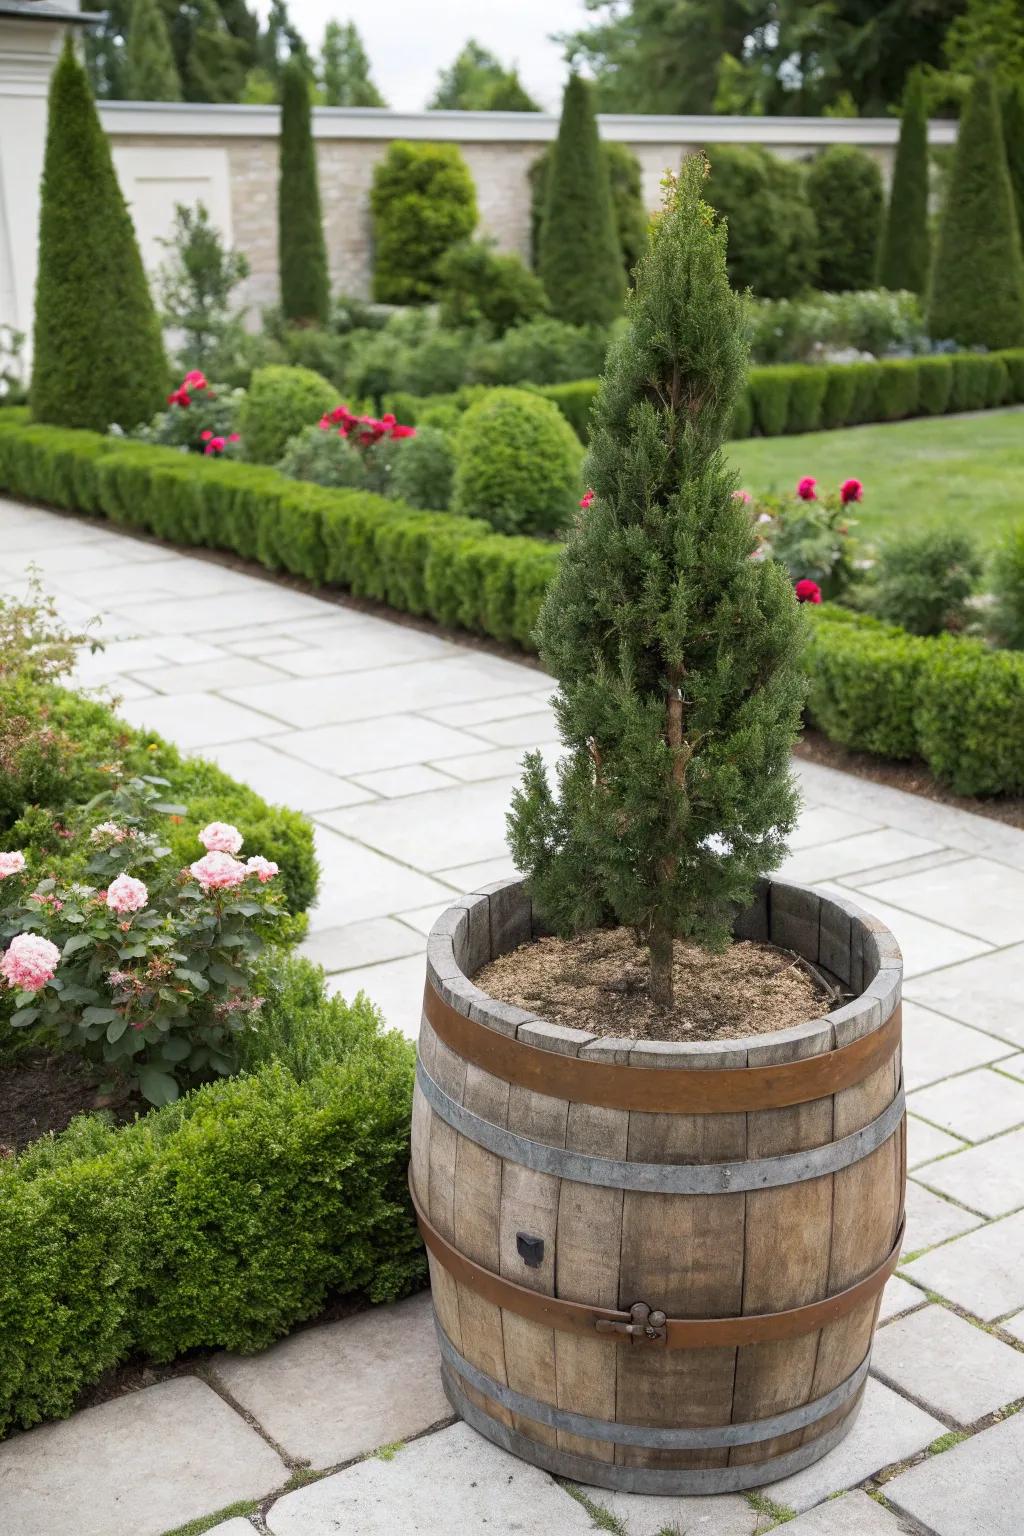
302,255
903,258
676,654
976,295
99,355
580,256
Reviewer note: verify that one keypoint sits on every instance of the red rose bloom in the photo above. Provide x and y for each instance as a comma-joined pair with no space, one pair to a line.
807,591
806,488
587,499
851,490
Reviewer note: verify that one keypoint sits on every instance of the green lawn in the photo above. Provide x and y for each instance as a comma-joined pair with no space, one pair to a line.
967,470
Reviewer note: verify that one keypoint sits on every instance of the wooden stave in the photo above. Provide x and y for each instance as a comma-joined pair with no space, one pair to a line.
547,1353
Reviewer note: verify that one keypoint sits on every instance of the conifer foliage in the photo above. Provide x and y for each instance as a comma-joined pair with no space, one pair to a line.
977,282
99,355
903,259
149,68
676,654
302,255
580,256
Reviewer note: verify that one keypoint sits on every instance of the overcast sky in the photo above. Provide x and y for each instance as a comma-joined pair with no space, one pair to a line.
409,41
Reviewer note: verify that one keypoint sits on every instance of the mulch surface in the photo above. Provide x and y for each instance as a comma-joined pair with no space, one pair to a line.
41,1093
598,982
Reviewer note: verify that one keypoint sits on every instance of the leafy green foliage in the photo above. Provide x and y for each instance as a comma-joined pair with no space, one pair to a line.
924,580
904,255
970,717
676,655
480,286
196,283
517,464
150,73
422,469
345,69
580,262
423,201
773,236
99,357
477,81
325,458
844,187
795,330
977,282
1013,138
280,403
1007,618
302,255
864,677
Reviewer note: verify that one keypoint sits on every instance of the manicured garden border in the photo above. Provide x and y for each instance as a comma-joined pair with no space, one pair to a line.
954,703
220,1220
798,397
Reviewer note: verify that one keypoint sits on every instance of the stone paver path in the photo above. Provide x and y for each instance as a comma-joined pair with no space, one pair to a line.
403,747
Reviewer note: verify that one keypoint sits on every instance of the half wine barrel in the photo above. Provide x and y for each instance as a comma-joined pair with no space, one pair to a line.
656,1266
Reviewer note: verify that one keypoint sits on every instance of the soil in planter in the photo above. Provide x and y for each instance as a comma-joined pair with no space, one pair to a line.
40,1093
598,982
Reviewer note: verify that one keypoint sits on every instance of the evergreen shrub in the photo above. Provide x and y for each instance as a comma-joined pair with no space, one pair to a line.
422,469
302,255
840,392
99,356
773,237
769,393
280,403
904,253
1007,582
423,201
807,388
478,285
626,186
864,678
935,385
898,390
844,187
970,717
517,464
925,580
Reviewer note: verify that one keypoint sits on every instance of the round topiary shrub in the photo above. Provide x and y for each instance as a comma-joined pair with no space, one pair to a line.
517,463
773,236
421,469
844,186
280,403
423,201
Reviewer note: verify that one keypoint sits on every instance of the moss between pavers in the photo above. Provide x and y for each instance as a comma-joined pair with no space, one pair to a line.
207,1522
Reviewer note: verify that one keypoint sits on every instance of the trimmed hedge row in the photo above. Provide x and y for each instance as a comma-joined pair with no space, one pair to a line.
798,397
872,687
953,703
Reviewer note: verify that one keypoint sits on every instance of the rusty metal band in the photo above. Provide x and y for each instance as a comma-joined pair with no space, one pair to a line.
708,1437
590,1471
663,1178
680,1332
667,1090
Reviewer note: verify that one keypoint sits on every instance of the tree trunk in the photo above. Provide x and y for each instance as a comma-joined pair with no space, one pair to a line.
660,946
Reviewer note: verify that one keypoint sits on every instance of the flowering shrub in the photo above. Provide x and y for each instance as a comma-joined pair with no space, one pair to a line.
810,535
346,451
149,972
924,581
200,418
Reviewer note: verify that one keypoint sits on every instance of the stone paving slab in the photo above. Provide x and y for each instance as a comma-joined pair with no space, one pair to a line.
931,1219
926,1142
852,1515
453,1483
464,823
995,910
973,1489
985,992
136,1466
330,1393
935,1047
832,860
888,1429
236,1527
989,1177
641,1514
914,1353
983,1272
974,1105
924,944
898,1297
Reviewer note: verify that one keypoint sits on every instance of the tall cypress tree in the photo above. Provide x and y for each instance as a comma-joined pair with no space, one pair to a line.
904,254
99,355
1013,135
676,654
150,73
580,257
977,284
302,255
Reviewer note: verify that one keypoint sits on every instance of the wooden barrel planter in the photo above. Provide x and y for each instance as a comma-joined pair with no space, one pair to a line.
657,1267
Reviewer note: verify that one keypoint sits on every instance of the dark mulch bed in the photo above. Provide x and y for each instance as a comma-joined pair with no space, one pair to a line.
41,1093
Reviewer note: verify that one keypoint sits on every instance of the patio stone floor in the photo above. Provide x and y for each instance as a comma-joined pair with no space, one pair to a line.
403,748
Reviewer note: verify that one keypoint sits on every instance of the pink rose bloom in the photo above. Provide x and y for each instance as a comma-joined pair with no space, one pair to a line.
743,496
264,869
586,501
194,380
221,837
215,445
30,962
806,488
218,871
807,591
11,864
126,894
850,490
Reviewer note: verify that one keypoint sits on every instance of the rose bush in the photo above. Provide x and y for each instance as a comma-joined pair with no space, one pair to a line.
811,535
200,418
151,977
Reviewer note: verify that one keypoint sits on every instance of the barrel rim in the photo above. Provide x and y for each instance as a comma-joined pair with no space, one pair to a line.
467,935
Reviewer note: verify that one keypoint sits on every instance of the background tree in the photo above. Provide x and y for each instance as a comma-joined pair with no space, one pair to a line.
676,655
580,256
106,42
509,95
773,234
976,295
844,188
302,255
196,282
423,202
1013,137
215,63
626,186
904,254
99,357
345,69
150,73
477,81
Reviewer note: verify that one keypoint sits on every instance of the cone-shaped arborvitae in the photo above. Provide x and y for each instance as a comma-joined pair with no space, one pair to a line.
676,653
302,255
1013,133
903,260
99,354
977,283
150,72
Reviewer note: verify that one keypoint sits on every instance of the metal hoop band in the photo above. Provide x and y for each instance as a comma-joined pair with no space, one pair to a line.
662,1178
666,1090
